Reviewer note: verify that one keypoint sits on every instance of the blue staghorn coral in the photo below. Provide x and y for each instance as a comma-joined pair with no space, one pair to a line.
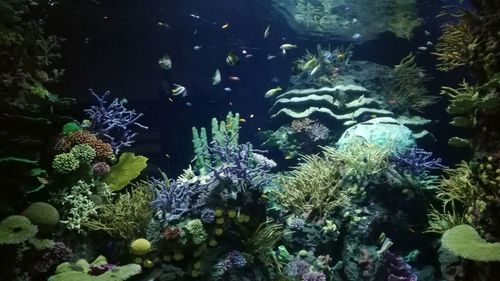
416,161
112,121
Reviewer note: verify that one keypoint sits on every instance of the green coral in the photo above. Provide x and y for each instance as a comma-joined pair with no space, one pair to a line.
128,168
70,272
404,88
65,163
196,231
127,217
83,152
464,241
314,187
264,240
43,215
80,202
16,229
229,127
71,127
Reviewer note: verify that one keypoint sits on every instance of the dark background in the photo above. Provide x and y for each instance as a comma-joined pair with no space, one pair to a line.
115,45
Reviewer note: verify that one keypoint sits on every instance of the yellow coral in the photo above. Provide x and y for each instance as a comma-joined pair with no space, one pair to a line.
140,247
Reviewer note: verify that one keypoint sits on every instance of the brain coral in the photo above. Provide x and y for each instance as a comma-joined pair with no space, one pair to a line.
43,215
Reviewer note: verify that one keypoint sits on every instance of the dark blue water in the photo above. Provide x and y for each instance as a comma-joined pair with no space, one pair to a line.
115,45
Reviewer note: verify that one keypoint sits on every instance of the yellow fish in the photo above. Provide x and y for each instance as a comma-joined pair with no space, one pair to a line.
310,63
242,120
272,92
288,157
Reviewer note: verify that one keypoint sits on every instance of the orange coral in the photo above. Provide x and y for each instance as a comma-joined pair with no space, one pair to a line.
103,150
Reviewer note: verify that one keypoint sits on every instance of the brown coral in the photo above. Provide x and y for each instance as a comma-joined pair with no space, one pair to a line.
103,150
172,233
301,125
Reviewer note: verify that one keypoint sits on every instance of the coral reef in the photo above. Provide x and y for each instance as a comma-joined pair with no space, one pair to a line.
464,241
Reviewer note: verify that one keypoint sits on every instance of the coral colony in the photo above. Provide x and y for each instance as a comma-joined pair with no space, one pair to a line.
343,191
113,121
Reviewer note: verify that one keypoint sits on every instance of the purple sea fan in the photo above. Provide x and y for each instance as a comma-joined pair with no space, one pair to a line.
398,269
416,161
112,121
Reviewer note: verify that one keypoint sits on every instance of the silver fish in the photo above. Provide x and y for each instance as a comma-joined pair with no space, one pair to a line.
165,62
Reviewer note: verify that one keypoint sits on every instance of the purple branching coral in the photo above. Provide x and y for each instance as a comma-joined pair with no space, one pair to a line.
112,121
398,269
240,164
171,199
297,267
416,161
314,276
317,132
234,259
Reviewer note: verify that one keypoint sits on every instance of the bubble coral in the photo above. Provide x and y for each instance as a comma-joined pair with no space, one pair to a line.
16,229
43,215
65,163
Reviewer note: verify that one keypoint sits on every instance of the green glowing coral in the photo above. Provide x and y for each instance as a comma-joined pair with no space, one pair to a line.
83,152
196,231
71,127
65,163
16,229
263,241
128,168
70,272
464,241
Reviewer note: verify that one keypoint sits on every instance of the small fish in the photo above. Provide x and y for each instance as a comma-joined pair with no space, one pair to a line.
286,47
194,16
86,41
195,31
230,103
170,99
258,129
354,20
356,36
226,25
315,70
167,155
288,157
266,32
270,57
232,58
244,51
252,116
227,89
429,44
163,24
248,56
165,62
310,63
272,92
197,48
422,48
275,80
234,78
189,104
243,120
427,33
179,90
216,78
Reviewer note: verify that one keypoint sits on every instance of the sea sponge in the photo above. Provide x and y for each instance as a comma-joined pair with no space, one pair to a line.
140,247
83,152
43,215
464,241
16,229
129,167
65,163
103,150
